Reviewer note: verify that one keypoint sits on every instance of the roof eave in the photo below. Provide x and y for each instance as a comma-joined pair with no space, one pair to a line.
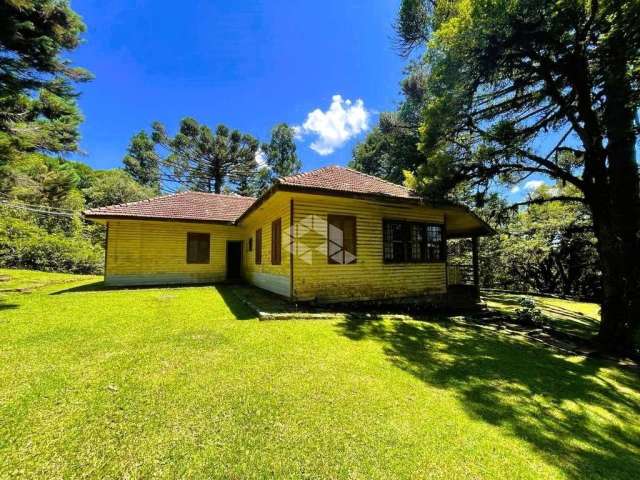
90,216
336,193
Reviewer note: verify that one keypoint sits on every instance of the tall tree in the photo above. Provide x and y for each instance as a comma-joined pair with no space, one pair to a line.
387,153
111,187
202,160
391,148
141,161
506,78
280,152
38,110
280,159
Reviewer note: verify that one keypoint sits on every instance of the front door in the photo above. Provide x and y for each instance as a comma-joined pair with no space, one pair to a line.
234,260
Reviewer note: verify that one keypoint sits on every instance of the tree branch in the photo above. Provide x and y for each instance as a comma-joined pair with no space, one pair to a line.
541,200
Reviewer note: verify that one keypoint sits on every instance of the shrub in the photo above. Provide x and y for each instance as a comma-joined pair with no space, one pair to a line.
529,313
25,245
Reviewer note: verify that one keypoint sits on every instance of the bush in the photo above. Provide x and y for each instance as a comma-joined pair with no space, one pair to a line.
529,314
25,245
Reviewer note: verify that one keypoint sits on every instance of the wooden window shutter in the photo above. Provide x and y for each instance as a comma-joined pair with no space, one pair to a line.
198,247
258,246
276,242
341,239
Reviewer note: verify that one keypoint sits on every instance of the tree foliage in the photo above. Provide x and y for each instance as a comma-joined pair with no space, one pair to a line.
202,160
280,152
547,247
280,159
142,161
516,88
38,111
112,187
391,148
23,244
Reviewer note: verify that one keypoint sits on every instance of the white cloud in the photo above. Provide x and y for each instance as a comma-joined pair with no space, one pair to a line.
342,121
533,184
297,132
515,189
261,158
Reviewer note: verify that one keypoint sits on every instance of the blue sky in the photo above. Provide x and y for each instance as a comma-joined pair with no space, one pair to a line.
247,64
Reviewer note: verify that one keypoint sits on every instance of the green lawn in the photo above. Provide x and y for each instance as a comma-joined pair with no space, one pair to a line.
184,382
577,318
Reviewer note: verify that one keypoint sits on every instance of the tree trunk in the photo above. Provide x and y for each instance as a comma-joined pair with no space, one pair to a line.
620,259
217,184
615,204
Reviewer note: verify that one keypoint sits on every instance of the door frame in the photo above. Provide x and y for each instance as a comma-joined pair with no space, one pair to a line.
241,247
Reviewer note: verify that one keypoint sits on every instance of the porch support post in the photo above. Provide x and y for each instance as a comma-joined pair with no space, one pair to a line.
445,252
476,263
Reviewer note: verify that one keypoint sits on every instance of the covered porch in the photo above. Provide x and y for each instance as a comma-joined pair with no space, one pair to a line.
462,272
463,232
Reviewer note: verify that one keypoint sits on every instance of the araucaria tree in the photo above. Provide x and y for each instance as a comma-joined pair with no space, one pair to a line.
521,87
202,160
38,110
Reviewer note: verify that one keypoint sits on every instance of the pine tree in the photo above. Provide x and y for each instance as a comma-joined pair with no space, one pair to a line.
280,152
142,162
38,109
204,161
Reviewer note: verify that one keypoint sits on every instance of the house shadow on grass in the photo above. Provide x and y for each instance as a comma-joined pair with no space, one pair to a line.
239,309
7,306
578,419
100,286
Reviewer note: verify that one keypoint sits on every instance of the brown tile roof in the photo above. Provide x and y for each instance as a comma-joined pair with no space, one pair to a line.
210,207
188,206
342,179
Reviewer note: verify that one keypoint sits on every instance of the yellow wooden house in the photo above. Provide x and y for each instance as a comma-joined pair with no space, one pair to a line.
331,234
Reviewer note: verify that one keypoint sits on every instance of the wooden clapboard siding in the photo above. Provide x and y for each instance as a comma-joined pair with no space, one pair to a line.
143,251
369,277
275,278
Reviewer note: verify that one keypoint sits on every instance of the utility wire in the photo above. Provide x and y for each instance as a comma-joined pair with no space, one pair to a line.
36,210
33,205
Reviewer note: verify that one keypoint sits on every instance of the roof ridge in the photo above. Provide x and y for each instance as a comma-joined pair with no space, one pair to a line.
226,195
168,195
137,202
378,178
302,174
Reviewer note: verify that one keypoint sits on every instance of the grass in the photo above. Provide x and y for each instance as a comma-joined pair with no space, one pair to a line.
577,318
184,382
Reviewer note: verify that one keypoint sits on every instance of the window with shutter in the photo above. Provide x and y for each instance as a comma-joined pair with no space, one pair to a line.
198,247
341,239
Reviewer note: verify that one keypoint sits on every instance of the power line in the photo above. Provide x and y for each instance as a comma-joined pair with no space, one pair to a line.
36,210
34,205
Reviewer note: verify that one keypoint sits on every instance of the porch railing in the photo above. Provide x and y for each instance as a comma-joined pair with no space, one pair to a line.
460,274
